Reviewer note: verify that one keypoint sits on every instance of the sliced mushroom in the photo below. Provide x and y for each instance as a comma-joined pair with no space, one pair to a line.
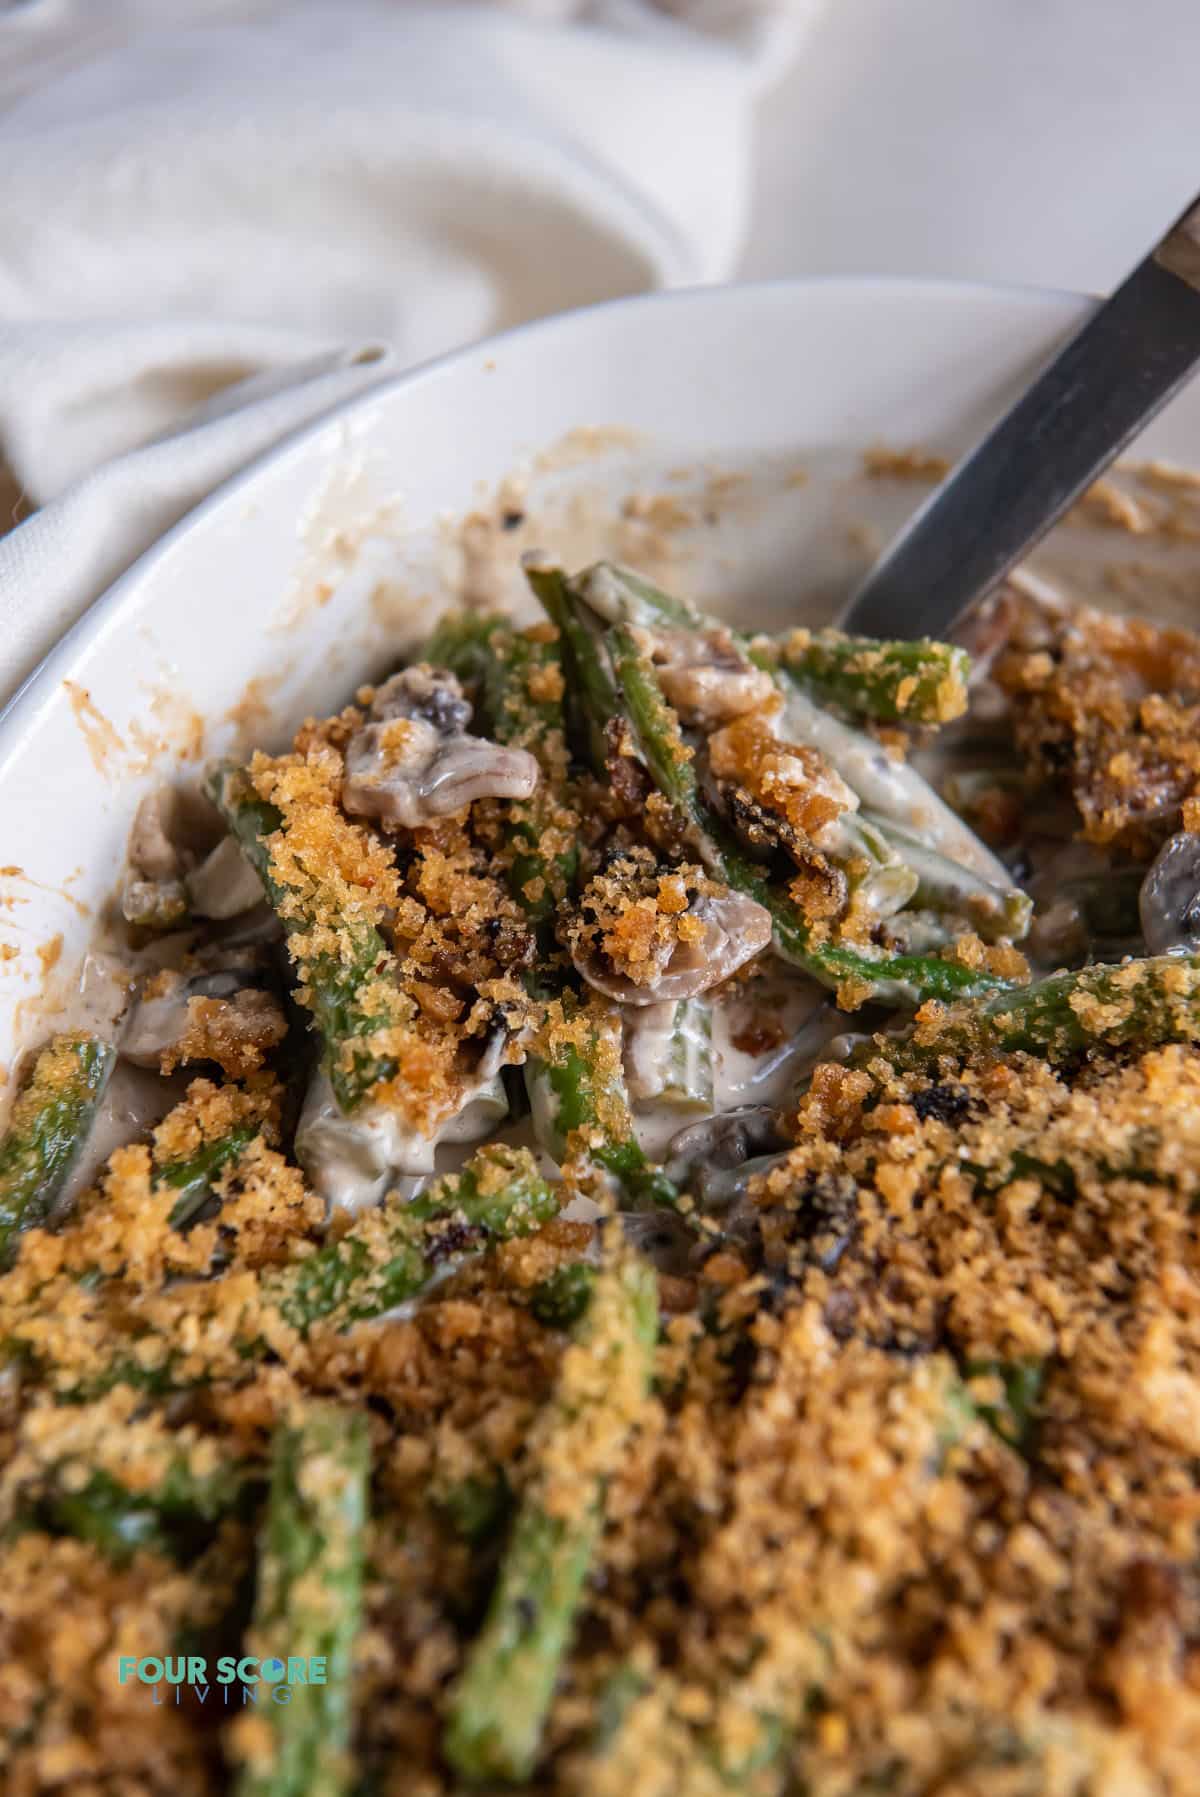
224,885
702,1157
432,694
649,933
731,930
152,853
353,1160
415,761
1169,900
663,1238
211,1016
706,677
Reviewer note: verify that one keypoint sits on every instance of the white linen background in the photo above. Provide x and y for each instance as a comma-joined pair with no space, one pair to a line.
218,219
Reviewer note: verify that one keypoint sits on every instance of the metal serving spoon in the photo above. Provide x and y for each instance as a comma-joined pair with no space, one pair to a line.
1133,353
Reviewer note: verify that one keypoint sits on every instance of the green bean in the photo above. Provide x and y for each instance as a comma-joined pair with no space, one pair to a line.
688,1758
498,1706
688,1073
876,874
1013,1417
157,905
669,1053
901,979
193,1178
522,708
572,1087
47,1130
461,642
620,596
944,885
591,690
335,981
394,1252
919,682
577,1093
106,1519
616,1697
308,1602
390,1254
560,1299
1138,1004
107,1512
893,789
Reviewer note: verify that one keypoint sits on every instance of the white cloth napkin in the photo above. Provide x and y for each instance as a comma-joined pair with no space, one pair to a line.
258,207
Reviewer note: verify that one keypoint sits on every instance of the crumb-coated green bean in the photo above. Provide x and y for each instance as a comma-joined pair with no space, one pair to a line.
334,980
919,682
591,691
1012,1414
47,1129
121,1520
393,1252
520,676
560,1299
902,979
192,1179
308,1601
577,1092
1139,1004
894,789
498,1706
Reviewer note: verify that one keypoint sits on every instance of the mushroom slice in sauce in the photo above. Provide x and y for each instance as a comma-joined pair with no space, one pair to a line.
646,934
663,1238
353,1160
715,1159
224,885
706,677
207,1016
1169,900
152,852
415,761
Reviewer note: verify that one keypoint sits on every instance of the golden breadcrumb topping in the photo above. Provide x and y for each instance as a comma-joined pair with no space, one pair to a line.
911,1505
636,914
236,1033
1111,707
793,780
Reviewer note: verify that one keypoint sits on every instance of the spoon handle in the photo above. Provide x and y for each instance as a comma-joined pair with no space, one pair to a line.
1133,353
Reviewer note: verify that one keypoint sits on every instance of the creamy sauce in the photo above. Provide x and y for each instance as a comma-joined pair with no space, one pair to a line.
134,1101
764,1035
353,1160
